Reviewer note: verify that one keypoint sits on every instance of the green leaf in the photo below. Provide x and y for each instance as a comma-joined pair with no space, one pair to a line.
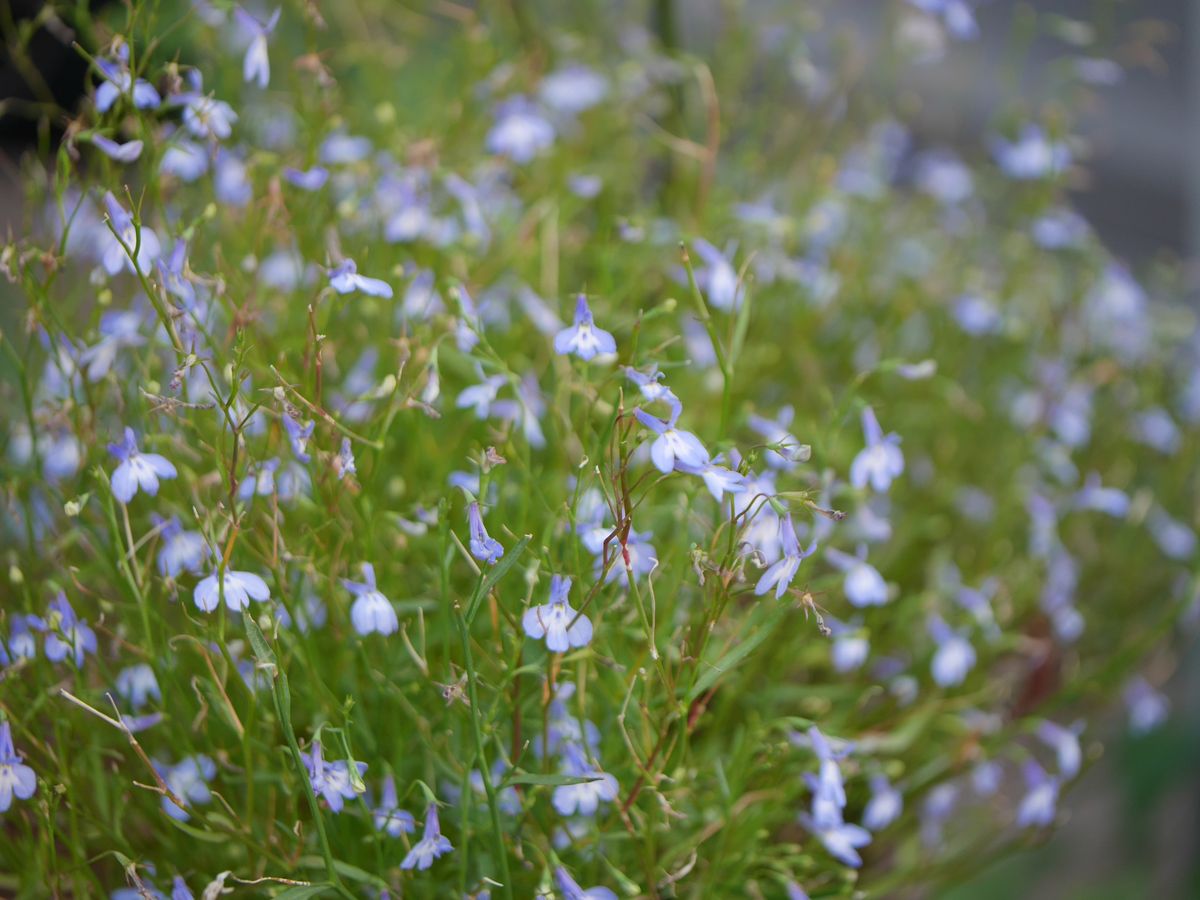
494,574
303,891
737,653
554,780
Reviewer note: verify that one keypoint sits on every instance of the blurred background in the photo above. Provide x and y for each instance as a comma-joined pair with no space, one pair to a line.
1132,824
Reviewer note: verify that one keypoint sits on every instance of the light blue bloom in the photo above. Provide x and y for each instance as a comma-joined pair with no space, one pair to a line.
298,436
256,66
1148,709
1039,806
345,460
672,446
125,153
239,588
137,470
114,257
118,82
780,574
208,118
885,804
138,684
840,838
188,780
16,779
583,338
1033,155
583,798
573,89
330,780
1065,744
307,180
180,890
557,621
173,274
954,657
66,635
388,816
717,277
880,461
520,132
371,612
864,586
956,15
432,845
571,890
184,159
345,280
483,546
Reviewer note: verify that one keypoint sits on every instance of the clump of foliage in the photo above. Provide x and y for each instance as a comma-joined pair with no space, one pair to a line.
455,450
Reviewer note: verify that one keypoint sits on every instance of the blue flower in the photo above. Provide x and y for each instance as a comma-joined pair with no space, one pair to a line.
850,647
345,460
311,180
1148,708
557,621
480,397
256,66
1065,744
125,153
181,551
239,588
841,839
16,778
118,82
1032,156
330,780
583,798
388,816
483,547
231,183
880,461
520,132
955,656
208,118
573,89
956,15
583,338
118,329
1039,806
719,480
22,644
66,635
784,449
780,574
717,277
137,469
672,446
885,804
572,891
431,845
864,586
114,257
138,685
173,274
188,780
345,280
180,890
371,610
298,436
184,159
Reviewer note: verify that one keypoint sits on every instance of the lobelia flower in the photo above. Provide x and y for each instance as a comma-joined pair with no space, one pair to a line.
944,177
184,159
1032,155
672,446
938,805
119,82
113,256
864,586
388,816
22,644
571,890
527,410
138,685
557,621
1060,229
231,183
480,397
371,611
1065,744
484,547
583,338
573,89
345,280
188,780
795,892
583,798
880,461
124,153
955,656
787,450
985,778
829,793
1148,709
330,780
840,838
520,132
311,180
432,844
66,635
780,574
16,778
345,460
885,804
717,277
259,480
1095,496
1039,805
719,480
118,329
209,118
172,273
180,890
850,646
239,588
298,436
137,470
256,66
